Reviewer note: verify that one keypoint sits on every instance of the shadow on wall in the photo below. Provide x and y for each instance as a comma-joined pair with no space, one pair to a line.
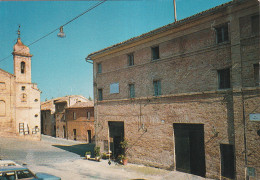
79,149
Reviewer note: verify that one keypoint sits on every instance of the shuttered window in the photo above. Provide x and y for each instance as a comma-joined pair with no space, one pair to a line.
2,108
155,53
99,68
130,59
222,33
100,94
131,90
157,88
224,78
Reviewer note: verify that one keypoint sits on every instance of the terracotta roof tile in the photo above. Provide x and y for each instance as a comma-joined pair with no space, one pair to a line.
82,104
66,98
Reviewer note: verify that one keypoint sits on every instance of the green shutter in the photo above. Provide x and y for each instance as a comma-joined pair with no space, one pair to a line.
159,88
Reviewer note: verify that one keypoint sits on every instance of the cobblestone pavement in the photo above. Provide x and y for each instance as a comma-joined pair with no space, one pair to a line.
63,158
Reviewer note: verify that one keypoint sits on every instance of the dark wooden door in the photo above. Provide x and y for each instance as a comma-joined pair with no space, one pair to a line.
116,133
227,160
89,136
75,134
189,148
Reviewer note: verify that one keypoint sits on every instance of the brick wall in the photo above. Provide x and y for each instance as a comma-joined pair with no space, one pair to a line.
188,65
81,123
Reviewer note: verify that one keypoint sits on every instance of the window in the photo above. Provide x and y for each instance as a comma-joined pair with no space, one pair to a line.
155,53
224,78
23,97
114,88
256,74
22,67
157,88
100,94
222,33
2,108
24,174
132,90
2,85
88,115
8,175
74,115
130,59
75,134
255,24
99,68
23,88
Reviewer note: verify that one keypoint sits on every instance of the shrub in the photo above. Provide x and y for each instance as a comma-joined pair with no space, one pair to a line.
97,151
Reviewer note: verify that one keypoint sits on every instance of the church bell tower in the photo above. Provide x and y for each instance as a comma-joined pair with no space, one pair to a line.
22,61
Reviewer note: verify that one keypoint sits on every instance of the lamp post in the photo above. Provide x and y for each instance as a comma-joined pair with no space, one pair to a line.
175,13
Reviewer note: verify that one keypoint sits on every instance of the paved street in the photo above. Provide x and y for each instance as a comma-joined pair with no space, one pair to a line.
63,158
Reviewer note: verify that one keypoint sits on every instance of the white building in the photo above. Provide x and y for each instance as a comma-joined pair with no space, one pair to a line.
19,97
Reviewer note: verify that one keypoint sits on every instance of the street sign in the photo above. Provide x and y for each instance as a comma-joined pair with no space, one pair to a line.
254,117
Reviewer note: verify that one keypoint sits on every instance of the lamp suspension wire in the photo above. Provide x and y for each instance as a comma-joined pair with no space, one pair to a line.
93,7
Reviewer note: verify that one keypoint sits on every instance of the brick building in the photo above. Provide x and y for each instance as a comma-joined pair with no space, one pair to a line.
19,97
60,116
186,95
80,121
48,122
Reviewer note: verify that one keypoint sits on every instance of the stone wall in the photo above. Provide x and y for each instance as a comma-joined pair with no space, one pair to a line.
7,100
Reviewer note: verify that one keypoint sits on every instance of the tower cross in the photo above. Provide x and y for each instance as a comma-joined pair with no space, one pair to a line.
18,32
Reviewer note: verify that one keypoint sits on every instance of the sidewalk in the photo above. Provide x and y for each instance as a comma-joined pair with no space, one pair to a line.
82,169
102,170
62,158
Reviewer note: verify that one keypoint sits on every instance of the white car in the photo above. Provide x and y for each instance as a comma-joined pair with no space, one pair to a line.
10,170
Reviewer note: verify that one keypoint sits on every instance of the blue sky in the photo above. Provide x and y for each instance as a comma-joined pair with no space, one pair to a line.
58,65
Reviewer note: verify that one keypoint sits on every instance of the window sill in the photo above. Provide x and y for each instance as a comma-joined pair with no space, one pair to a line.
224,89
223,43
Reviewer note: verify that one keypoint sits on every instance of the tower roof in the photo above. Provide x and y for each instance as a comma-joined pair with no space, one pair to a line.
21,49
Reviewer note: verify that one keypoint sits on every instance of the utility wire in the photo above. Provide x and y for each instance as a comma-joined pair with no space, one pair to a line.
93,7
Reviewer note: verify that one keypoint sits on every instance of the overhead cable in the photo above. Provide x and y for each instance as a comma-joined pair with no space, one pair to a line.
96,5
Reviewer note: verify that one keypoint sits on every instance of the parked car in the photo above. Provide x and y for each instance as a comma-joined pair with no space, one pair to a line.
10,170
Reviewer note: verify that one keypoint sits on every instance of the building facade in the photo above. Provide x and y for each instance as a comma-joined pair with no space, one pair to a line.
186,95
48,122
80,121
19,97
60,113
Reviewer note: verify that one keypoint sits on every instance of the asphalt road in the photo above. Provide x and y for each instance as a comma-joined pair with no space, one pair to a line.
64,158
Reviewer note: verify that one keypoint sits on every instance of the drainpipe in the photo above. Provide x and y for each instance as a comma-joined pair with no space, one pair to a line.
244,117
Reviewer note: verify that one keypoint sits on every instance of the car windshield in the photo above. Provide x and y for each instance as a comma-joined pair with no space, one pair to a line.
24,174
7,175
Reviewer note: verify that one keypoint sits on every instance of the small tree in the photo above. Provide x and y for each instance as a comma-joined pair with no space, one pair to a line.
97,151
89,98
123,157
124,146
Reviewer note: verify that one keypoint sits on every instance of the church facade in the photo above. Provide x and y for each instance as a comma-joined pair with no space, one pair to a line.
19,97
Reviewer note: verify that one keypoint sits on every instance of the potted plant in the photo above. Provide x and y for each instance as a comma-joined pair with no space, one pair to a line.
104,156
97,153
88,154
123,157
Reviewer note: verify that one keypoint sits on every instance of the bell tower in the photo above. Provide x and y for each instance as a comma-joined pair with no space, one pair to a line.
22,61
